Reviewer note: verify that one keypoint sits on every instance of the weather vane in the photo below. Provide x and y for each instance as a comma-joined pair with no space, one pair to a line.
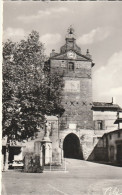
70,30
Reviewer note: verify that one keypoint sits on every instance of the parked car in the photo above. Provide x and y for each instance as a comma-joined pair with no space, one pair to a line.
16,164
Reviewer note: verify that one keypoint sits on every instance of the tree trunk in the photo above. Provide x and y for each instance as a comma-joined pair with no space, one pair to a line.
6,159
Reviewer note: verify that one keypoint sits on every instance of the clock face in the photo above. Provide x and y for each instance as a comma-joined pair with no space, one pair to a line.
71,55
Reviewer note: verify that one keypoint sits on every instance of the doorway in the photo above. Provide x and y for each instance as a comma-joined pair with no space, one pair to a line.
119,154
71,147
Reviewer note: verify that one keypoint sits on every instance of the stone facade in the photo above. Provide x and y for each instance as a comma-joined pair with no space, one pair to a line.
115,146
84,121
104,117
109,148
76,70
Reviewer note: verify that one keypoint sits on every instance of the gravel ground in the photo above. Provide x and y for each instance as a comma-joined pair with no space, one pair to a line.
81,178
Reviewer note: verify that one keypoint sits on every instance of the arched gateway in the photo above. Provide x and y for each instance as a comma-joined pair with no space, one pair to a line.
71,147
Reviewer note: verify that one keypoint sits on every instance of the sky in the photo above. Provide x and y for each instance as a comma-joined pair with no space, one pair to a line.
98,27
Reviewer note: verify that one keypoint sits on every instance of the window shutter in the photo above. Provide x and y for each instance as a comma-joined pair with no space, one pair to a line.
103,124
95,125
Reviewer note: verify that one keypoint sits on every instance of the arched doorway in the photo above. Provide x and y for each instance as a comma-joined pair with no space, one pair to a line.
71,147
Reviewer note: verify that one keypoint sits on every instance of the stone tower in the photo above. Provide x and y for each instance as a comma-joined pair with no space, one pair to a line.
77,93
74,135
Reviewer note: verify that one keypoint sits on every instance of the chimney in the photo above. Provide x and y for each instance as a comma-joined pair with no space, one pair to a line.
113,100
53,53
88,54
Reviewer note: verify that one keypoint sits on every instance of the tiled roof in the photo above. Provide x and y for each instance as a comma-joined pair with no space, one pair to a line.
105,105
120,110
114,131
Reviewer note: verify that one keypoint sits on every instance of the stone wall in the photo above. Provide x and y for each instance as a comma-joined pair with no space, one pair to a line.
114,140
85,138
108,148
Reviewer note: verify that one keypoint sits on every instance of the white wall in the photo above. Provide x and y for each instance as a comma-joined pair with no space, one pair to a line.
109,117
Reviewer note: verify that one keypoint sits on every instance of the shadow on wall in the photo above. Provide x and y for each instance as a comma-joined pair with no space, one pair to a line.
104,153
100,151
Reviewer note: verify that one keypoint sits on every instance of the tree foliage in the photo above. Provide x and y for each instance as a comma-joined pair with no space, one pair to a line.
28,94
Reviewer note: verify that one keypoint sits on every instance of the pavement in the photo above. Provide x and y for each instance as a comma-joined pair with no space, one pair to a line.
80,178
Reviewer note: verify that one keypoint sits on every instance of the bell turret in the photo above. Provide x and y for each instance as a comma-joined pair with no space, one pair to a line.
70,42
70,34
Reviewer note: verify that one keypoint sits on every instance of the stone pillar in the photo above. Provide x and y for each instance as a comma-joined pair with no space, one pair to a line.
61,149
46,152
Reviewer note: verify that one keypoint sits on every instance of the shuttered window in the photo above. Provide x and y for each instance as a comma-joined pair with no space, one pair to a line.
99,125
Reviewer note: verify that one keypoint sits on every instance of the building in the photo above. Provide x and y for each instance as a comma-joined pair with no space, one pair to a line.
119,119
76,70
84,122
114,146
104,117
76,133
109,148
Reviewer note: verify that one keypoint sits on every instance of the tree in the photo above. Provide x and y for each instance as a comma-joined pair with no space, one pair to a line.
27,93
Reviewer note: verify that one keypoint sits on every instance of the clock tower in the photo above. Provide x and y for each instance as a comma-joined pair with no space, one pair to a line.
76,69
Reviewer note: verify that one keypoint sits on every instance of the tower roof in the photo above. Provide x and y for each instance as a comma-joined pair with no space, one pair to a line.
70,34
70,42
105,105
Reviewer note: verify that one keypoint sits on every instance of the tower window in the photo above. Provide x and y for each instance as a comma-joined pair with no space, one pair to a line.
71,66
100,125
63,65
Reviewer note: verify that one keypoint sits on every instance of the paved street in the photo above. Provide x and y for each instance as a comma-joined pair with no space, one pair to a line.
81,178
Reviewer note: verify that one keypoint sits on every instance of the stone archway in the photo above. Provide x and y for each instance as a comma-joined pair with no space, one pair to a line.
71,147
